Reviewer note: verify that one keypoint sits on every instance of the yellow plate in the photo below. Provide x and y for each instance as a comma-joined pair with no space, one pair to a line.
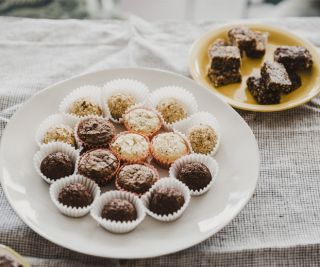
237,94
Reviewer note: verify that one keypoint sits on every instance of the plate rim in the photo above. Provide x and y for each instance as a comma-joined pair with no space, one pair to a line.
149,255
247,106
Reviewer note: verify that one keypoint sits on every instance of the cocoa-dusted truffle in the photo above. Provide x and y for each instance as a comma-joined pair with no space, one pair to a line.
75,195
164,201
172,109
9,261
95,132
195,175
84,107
119,210
59,134
136,178
100,165
119,103
57,165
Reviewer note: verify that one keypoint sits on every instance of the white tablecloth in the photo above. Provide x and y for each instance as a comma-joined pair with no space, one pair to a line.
281,223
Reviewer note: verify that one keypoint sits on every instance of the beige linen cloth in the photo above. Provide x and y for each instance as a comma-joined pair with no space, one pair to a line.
281,223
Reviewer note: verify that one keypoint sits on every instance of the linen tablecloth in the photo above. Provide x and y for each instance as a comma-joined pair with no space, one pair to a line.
281,223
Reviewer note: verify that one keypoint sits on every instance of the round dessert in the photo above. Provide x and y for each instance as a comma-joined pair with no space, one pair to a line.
59,134
119,210
143,121
136,178
119,103
168,147
99,165
130,147
95,132
164,201
203,139
75,195
57,165
84,107
195,175
172,110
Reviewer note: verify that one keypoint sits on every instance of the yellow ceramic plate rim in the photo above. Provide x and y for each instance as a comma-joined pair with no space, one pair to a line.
195,71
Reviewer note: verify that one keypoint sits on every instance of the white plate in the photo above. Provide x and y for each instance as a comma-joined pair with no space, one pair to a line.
28,193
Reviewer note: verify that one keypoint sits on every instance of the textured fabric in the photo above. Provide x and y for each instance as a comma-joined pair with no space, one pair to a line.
281,223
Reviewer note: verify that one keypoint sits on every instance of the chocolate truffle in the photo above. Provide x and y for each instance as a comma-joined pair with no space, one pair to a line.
136,178
84,107
165,201
143,121
59,134
8,261
57,165
120,210
195,175
168,147
203,138
75,195
172,109
119,103
130,147
95,132
100,165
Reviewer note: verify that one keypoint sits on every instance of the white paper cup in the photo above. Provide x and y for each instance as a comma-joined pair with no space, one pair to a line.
117,226
87,91
208,161
55,120
178,93
200,118
131,87
47,149
58,185
165,183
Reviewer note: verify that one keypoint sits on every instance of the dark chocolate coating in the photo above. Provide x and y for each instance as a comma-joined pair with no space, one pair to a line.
164,201
99,165
95,132
119,210
7,261
294,57
57,165
136,178
195,175
258,90
75,195
275,77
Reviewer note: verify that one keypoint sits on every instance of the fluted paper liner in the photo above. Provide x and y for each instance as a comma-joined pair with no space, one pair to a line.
55,120
47,149
178,93
89,91
166,183
126,86
58,185
200,118
208,161
117,226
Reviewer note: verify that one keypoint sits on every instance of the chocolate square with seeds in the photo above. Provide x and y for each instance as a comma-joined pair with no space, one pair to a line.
225,58
294,57
275,77
261,44
259,92
223,78
242,37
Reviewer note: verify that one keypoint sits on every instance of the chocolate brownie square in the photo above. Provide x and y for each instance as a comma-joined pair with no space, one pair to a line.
275,77
242,37
225,58
261,43
260,93
294,57
223,78
218,43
